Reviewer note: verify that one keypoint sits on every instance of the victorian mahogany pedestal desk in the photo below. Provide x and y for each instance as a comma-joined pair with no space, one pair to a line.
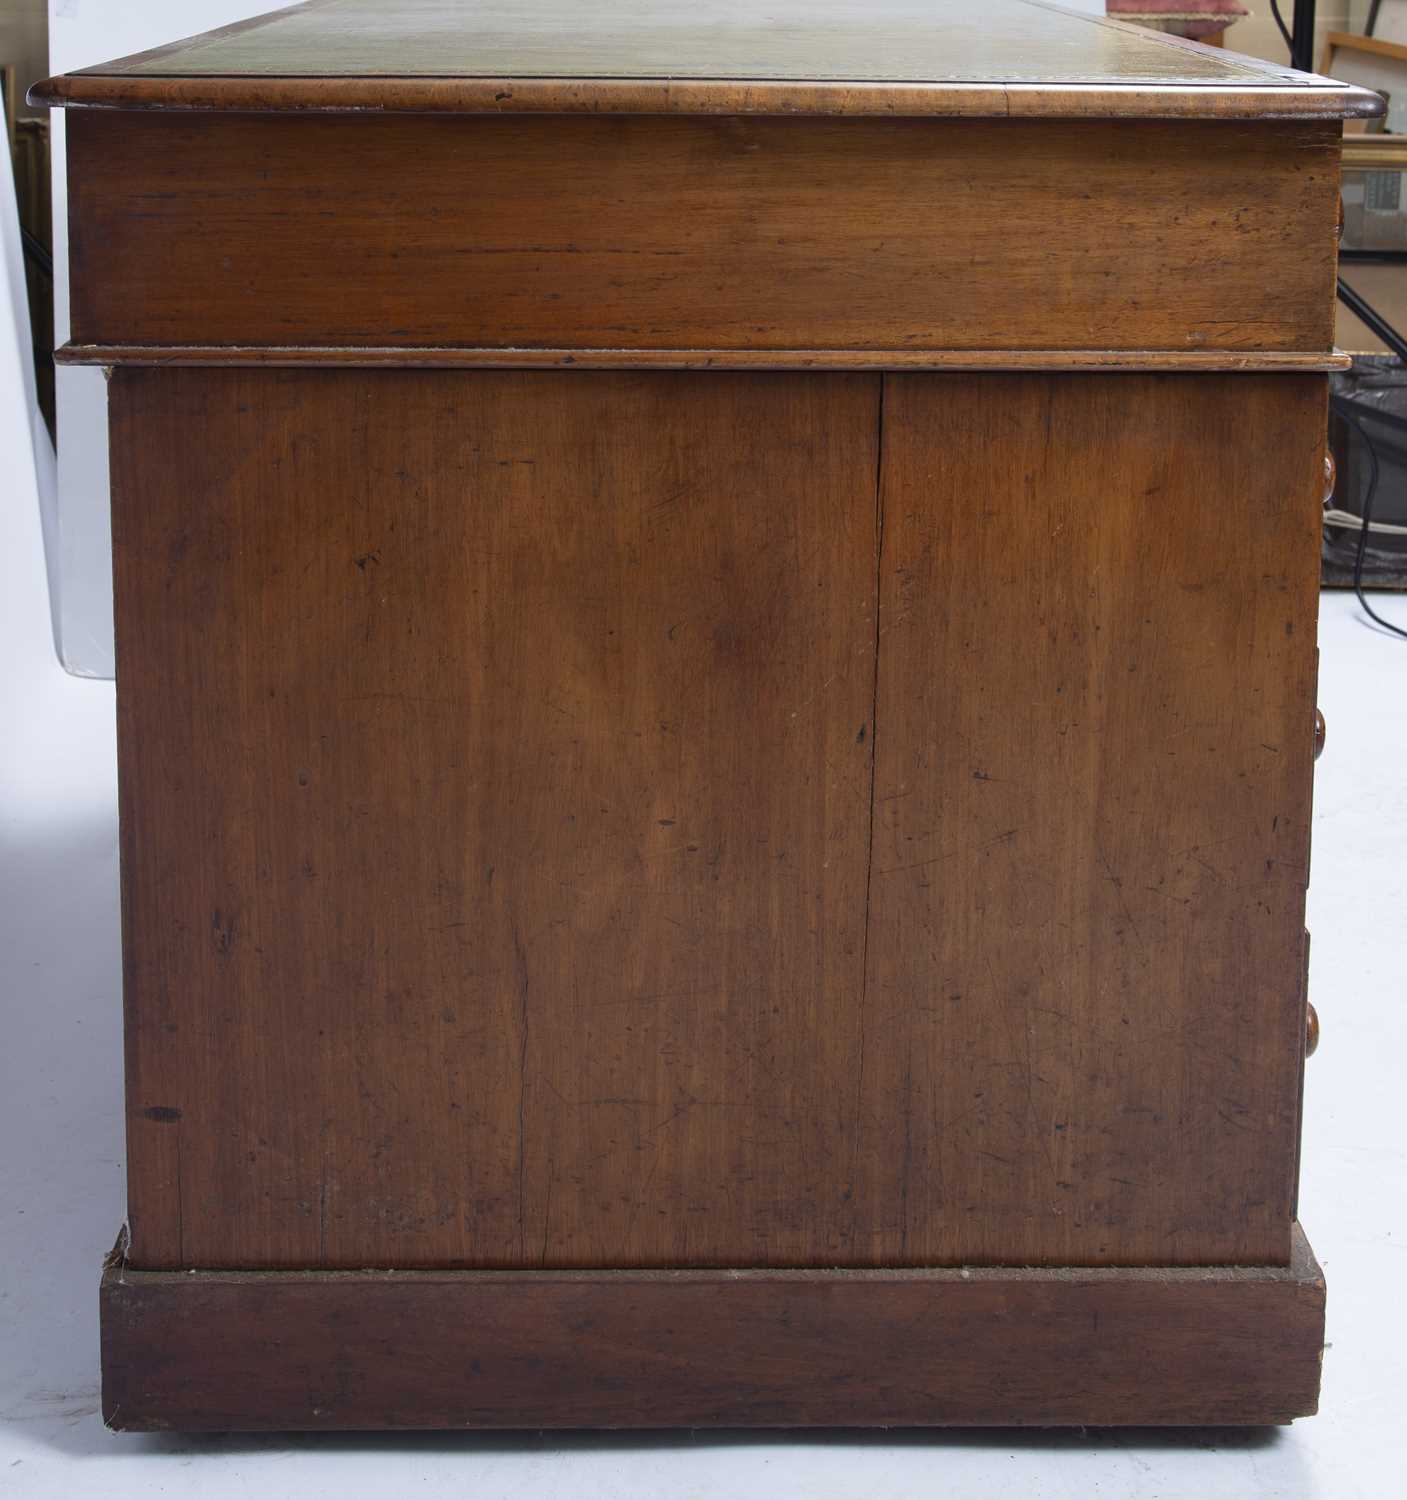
716,670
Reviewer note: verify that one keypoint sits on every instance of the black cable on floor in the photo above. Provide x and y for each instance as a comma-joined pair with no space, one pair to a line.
1345,409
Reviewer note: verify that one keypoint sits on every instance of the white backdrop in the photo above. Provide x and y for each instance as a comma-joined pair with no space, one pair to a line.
82,33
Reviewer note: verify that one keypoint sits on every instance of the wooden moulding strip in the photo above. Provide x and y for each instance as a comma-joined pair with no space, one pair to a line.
305,1350
1206,360
654,96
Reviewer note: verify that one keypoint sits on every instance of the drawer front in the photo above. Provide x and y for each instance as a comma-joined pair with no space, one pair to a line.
709,234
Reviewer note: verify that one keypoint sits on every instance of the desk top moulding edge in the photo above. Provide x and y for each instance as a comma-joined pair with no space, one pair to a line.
1316,99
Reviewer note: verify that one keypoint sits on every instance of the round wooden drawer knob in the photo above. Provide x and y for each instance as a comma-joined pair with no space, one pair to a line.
1320,728
1311,1031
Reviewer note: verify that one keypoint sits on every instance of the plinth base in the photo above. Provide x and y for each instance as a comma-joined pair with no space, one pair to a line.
309,1350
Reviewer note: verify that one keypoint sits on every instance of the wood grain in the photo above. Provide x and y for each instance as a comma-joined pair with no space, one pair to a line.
547,910
495,771
216,356
682,96
714,234
687,1349
1083,1014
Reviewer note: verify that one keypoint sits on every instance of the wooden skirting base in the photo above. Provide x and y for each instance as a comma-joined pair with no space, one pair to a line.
222,1350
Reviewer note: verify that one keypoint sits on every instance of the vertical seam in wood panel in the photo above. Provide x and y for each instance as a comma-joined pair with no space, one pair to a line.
874,735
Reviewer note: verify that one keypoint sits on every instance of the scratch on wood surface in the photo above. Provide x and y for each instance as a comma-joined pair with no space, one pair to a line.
938,859
1118,885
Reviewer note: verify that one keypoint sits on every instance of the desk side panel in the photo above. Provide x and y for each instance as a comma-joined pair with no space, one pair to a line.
524,864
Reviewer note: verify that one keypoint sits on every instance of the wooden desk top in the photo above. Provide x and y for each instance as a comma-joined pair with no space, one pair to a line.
868,57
